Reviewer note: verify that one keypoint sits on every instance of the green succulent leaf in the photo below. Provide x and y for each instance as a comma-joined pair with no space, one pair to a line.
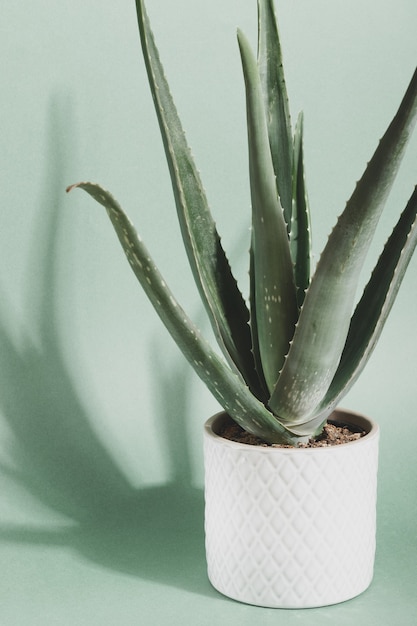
272,280
300,237
276,103
228,388
225,305
298,350
375,305
324,320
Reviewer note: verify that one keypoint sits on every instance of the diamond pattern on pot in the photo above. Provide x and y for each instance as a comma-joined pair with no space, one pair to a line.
290,528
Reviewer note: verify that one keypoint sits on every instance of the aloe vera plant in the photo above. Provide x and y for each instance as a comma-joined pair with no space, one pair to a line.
300,344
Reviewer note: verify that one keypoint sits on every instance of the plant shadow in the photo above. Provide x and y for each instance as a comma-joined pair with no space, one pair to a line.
152,533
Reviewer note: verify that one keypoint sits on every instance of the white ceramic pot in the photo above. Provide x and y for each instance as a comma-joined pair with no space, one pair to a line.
291,528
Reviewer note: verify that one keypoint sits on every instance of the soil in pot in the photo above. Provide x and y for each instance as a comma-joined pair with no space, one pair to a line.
333,434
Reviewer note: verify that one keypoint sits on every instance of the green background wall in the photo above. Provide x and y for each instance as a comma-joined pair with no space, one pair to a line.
91,386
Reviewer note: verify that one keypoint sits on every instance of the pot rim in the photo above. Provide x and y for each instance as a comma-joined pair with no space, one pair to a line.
339,415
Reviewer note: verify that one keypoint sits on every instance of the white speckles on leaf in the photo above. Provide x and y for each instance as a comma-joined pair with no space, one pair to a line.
241,407
137,260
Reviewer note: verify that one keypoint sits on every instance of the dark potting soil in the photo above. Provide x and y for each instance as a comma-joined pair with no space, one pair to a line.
332,435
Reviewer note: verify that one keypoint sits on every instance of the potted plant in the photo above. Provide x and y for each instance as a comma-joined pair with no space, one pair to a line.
290,522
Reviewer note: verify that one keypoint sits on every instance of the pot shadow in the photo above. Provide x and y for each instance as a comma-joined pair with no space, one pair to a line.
152,533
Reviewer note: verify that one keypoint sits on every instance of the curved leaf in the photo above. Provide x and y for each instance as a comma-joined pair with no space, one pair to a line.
225,305
375,305
226,386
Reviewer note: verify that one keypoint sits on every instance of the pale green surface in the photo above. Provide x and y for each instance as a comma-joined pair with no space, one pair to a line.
74,104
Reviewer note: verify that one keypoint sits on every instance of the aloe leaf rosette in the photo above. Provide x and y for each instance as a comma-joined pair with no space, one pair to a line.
290,354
